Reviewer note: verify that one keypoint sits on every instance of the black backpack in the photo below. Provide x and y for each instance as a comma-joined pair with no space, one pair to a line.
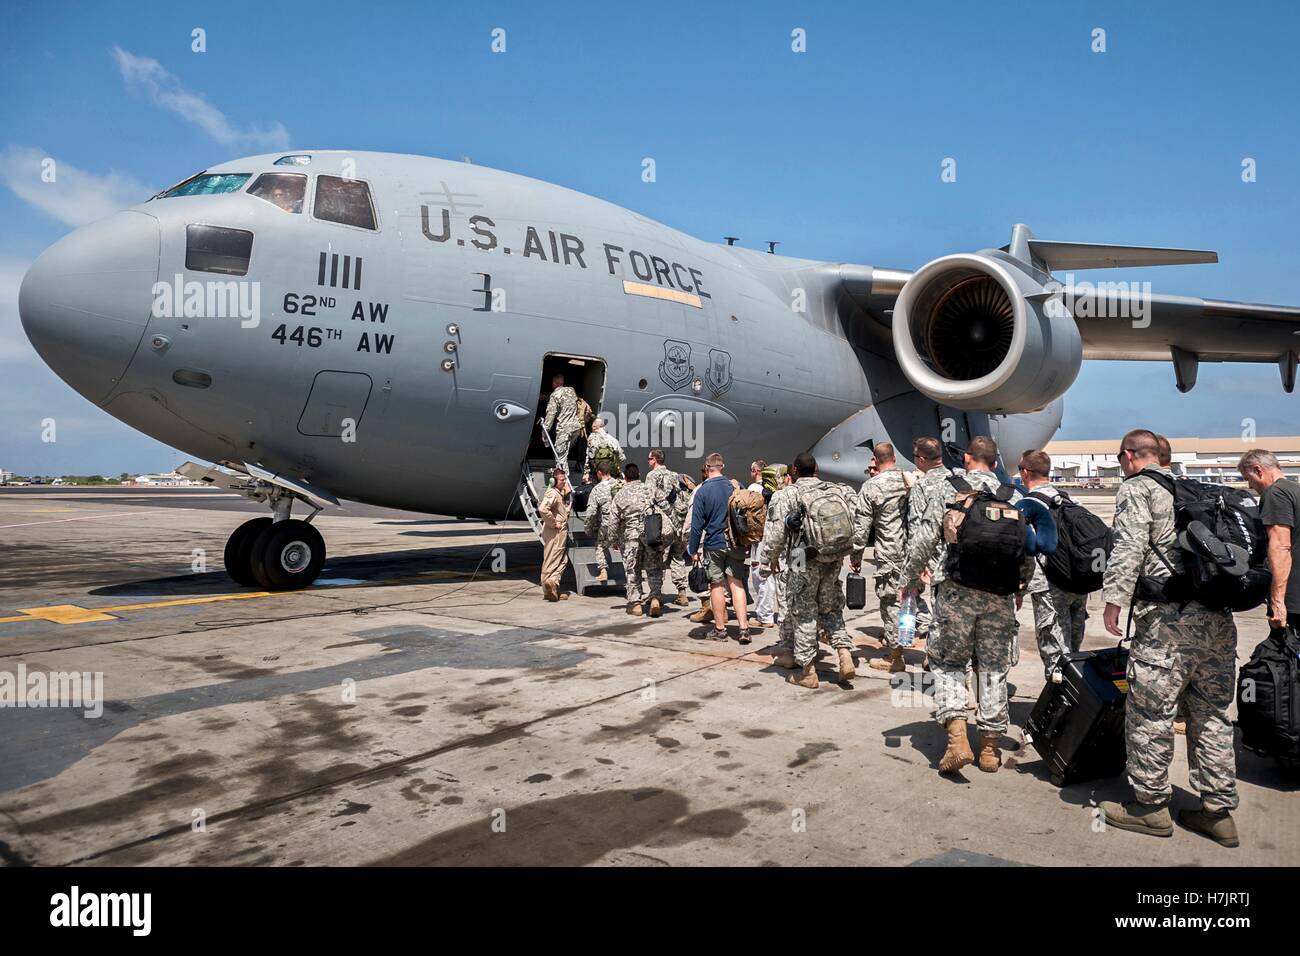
1231,515
985,537
1081,539
1268,698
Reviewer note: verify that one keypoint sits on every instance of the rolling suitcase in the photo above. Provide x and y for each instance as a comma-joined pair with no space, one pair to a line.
1077,726
855,591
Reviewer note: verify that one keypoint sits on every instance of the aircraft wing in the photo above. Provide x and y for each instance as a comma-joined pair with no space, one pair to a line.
1186,330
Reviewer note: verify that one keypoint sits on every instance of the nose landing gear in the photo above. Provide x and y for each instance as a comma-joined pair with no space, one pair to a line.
275,555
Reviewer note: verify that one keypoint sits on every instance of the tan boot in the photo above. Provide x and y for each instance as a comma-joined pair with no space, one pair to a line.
634,608
892,662
785,658
847,670
807,676
1218,826
958,754
1149,818
682,600
602,577
990,755
549,591
702,615
656,608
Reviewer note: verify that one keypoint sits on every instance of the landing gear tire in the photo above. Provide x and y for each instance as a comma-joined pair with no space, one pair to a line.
287,555
239,551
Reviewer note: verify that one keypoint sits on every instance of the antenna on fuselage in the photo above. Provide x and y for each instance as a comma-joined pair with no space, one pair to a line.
771,247
731,240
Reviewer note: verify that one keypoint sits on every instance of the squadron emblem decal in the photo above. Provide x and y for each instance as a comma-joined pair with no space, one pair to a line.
719,374
675,370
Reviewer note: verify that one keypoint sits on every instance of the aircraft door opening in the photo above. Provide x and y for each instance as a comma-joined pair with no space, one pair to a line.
586,375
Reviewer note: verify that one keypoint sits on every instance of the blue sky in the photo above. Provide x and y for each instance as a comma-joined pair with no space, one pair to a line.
835,152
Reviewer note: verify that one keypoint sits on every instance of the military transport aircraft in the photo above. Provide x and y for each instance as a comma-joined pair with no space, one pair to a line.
383,327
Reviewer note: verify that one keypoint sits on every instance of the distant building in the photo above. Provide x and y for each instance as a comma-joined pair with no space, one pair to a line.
171,479
1207,459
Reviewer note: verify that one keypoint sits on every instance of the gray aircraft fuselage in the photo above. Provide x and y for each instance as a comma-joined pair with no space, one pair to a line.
771,355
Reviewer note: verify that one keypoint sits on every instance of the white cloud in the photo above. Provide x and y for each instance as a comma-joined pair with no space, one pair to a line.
75,197
148,76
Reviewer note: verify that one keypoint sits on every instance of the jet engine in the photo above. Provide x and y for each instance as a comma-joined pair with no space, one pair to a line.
978,332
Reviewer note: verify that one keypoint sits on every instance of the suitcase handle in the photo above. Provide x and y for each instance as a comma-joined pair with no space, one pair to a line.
1057,718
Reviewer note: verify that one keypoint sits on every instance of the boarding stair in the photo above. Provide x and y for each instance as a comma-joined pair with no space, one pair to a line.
534,479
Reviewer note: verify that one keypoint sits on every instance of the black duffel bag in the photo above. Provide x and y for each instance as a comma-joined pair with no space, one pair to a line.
698,579
1268,698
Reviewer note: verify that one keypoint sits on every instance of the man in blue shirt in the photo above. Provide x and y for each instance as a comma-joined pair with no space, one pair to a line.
708,542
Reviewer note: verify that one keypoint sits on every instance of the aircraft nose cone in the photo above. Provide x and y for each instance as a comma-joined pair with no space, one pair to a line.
86,300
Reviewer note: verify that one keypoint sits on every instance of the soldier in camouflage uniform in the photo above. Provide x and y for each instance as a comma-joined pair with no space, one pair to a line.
598,439
881,510
598,504
927,453
814,592
670,501
1183,650
1059,616
776,560
562,412
972,624
625,523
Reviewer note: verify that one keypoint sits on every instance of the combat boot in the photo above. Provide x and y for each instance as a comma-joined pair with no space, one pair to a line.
990,755
634,608
1152,818
958,754
550,591
682,600
603,577
893,663
785,658
1218,825
656,608
847,670
703,614
807,676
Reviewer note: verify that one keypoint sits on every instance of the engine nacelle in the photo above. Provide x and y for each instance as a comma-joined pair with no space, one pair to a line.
976,332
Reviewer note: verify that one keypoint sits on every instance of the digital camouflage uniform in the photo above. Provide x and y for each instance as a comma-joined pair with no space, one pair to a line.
814,592
1188,651
603,439
1059,616
970,623
562,412
928,484
880,508
626,524
598,505
781,503
672,556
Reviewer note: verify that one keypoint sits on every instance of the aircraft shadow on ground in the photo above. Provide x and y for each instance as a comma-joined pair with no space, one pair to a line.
385,569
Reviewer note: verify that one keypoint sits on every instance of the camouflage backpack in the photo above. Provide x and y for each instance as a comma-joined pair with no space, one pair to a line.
828,525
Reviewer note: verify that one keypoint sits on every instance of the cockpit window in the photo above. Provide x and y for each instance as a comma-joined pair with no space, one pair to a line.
206,184
344,200
285,190
218,249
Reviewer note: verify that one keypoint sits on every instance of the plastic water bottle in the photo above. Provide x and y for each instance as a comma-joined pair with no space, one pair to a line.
907,621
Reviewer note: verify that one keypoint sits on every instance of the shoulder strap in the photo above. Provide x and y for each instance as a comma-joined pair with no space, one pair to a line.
958,482
1049,500
1004,492
1160,478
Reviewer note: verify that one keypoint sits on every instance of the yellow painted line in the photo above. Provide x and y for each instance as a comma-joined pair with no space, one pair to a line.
659,292
73,614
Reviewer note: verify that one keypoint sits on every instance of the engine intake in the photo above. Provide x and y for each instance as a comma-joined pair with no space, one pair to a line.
976,332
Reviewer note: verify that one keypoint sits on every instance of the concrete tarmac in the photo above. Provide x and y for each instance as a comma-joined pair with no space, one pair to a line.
421,704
